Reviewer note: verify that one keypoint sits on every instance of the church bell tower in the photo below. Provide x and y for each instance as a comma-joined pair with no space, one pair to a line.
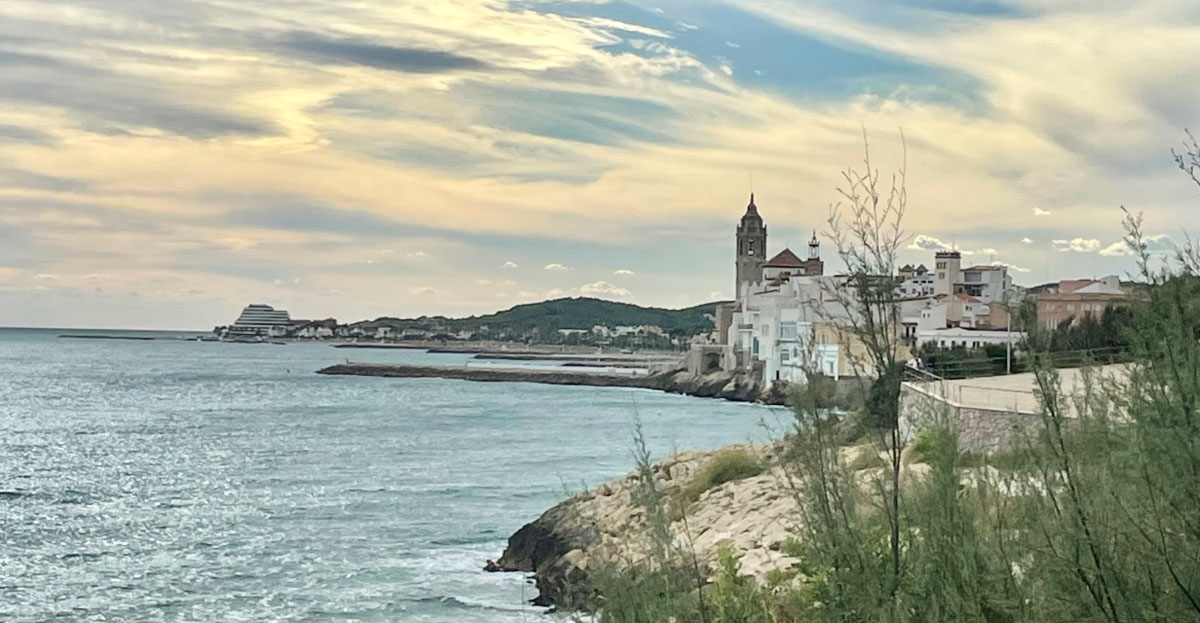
751,248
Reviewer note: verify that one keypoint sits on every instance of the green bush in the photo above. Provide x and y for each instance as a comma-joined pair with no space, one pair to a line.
726,466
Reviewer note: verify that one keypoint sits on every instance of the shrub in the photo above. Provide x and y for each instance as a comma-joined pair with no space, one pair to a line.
726,466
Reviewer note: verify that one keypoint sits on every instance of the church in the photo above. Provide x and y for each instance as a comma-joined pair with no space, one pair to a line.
753,270
771,331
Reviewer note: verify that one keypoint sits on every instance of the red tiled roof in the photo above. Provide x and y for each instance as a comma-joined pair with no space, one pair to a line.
966,298
785,259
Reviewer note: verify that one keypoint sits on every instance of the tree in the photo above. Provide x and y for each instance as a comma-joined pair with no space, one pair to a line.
866,229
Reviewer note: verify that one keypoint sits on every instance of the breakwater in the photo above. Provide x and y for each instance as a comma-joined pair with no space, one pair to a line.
737,387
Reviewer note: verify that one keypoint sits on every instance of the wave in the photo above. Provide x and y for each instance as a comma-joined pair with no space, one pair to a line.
466,603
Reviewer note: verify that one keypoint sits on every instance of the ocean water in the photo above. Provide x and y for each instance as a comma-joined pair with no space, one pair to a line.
188,481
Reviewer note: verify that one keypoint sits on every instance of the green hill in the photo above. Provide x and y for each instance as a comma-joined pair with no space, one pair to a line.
547,317
585,313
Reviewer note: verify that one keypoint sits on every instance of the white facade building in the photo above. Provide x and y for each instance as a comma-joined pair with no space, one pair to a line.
967,338
779,328
260,320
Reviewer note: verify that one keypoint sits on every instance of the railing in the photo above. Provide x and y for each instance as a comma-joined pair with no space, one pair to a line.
959,394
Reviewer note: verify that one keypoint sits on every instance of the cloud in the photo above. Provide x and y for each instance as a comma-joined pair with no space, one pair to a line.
291,213
511,265
555,266
1154,244
113,104
1040,212
988,251
1012,267
603,288
1077,245
417,254
624,271
1026,241
423,290
21,134
922,242
555,293
1116,249
489,282
354,51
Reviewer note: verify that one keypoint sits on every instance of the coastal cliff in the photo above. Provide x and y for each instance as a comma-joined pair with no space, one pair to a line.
606,527
733,386
753,512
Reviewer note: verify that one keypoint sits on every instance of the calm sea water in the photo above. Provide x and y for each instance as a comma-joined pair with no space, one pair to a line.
186,481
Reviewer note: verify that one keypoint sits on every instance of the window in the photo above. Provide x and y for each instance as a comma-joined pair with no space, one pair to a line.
755,347
785,356
1070,307
787,331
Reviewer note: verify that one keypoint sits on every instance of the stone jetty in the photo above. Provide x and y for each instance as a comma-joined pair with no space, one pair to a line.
725,385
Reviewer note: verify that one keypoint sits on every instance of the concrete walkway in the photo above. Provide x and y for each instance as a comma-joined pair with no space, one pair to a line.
1015,392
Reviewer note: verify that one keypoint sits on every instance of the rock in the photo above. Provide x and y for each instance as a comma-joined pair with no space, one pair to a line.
606,527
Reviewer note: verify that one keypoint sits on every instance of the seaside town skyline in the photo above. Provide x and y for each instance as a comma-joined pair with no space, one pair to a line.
383,163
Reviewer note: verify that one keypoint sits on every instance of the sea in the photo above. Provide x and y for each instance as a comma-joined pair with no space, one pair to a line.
170,479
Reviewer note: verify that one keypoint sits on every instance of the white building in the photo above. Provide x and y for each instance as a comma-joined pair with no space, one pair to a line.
259,320
915,281
967,338
784,328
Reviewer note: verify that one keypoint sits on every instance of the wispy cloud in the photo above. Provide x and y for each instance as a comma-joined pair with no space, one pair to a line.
922,242
624,272
555,266
1159,243
208,147
1077,245
1012,267
603,288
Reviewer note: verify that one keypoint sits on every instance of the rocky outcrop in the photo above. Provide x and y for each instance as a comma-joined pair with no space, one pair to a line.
733,386
604,527
752,517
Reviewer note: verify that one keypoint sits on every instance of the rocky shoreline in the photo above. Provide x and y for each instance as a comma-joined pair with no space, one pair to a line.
736,387
605,527
756,516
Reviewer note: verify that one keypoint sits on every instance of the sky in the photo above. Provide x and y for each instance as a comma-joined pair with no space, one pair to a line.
162,164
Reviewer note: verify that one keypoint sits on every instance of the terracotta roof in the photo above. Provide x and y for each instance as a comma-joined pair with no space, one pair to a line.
966,298
785,259
985,267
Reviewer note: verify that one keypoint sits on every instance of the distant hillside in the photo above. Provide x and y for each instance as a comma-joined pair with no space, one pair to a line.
585,313
574,313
